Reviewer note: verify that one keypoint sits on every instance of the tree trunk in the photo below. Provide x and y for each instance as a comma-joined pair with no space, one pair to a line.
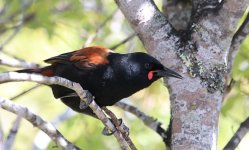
198,47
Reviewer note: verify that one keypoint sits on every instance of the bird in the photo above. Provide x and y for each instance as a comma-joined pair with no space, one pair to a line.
107,75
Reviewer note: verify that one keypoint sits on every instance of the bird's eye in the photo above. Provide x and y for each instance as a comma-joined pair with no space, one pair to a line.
147,66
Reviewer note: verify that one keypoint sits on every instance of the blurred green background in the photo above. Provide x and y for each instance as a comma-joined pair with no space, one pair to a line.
34,30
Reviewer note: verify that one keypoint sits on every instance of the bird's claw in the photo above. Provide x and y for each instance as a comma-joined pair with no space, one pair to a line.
89,98
107,132
120,123
125,129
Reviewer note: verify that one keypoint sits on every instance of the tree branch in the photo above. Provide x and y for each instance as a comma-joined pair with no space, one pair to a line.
121,126
1,135
123,41
9,142
24,92
195,100
92,37
238,136
14,76
238,38
150,25
18,63
37,145
37,121
149,121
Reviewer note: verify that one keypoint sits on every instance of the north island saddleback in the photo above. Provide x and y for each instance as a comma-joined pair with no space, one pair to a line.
108,76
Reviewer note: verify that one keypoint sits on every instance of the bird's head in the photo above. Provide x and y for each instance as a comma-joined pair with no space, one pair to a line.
144,67
153,68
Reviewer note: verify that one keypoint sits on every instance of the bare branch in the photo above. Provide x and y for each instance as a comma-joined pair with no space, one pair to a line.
149,121
14,76
238,38
25,92
15,32
228,88
23,6
9,142
92,37
121,126
37,121
123,42
1,135
238,136
18,63
37,145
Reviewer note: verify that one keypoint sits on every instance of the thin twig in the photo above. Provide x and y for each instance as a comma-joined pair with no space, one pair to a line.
14,76
37,121
121,126
149,121
24,6
9,142
92,37
27,18
238,136
17,29
228,88
1,135
123,41
24,92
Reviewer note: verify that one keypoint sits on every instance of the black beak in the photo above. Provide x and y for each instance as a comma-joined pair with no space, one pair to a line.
167,73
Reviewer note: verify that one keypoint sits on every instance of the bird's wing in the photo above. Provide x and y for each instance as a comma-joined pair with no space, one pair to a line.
84,58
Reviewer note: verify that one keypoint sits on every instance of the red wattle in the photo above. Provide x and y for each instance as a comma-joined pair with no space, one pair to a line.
150,75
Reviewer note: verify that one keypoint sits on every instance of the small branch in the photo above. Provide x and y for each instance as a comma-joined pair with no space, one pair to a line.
1,135
123,42
37,145
147,120
15,32
14,76
92,37
18,63
238,136
24,92
228,88
19,25
37,121
8,144
238,38
121,126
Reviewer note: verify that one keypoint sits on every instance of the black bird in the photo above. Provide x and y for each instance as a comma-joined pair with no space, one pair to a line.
108,76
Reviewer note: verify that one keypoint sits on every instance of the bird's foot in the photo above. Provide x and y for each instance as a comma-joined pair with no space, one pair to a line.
119,125
108,132
123,128
89,98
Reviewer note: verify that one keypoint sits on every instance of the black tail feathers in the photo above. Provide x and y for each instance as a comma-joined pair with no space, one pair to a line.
46,71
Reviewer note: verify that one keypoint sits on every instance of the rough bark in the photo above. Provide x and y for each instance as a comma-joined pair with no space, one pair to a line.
199,54
178,12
